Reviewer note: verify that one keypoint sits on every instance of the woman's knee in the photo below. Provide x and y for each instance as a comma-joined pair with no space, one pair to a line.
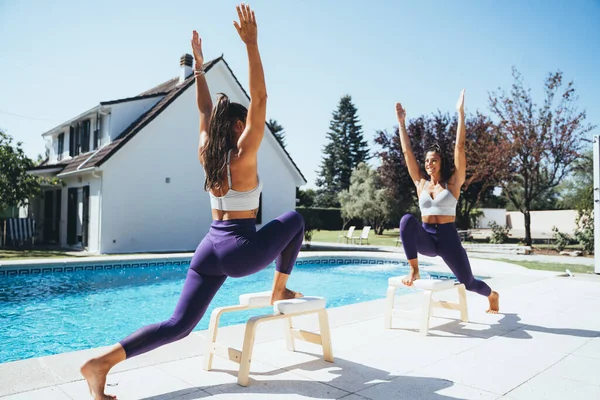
407,222
177,330
294,219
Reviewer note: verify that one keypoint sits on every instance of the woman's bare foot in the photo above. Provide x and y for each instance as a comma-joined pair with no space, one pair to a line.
285,294
95,374
412,276
494,299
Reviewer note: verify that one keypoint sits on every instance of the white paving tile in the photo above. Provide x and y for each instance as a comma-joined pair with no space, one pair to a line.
591,349
20,376
496,366
548,387
144,383
51,393
576,368
353,396
277,384
269,396
344,374
416,387
223,372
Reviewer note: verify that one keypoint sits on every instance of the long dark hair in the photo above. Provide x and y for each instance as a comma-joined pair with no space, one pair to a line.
447,169
221,138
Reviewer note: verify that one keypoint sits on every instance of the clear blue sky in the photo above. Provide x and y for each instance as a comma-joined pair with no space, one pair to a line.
57,59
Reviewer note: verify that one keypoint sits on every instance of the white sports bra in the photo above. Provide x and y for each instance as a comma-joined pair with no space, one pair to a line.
234,200
443,204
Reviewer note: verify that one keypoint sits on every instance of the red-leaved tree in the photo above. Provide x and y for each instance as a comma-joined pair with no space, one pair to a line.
544,141
485,152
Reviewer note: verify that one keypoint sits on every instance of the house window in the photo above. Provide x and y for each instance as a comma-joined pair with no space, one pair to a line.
259,213
71,141
61,146
96,143
85,136
77,140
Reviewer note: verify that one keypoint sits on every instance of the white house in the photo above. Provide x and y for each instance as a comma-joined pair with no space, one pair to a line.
131,177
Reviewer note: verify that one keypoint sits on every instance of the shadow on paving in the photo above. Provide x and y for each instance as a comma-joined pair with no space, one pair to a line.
404,387
508,326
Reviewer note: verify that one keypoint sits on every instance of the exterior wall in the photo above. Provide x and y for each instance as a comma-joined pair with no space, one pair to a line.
123,114
141,211
542,222
497,215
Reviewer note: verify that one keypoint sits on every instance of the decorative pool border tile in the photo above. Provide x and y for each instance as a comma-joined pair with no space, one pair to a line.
106,265
89,266
345,260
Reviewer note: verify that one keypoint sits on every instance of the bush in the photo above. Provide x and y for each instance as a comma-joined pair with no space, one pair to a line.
561,240
585,237
499,233
312,221
585,234
329,219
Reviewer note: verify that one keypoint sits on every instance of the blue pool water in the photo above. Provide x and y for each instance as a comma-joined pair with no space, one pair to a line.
51,313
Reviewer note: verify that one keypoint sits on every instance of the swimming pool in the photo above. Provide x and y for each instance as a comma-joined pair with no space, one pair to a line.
55,312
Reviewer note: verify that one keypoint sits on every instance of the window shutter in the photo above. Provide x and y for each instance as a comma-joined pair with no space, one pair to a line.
71,141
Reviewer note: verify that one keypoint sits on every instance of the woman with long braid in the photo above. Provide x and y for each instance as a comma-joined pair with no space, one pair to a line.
230,136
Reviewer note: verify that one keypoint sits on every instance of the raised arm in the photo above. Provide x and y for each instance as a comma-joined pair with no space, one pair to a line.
411,162
203,99
460,160
250,140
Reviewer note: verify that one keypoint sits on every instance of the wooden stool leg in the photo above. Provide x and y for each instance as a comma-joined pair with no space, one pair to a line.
425,312
389,307
247,347
325,335
462,301
211,339
289,338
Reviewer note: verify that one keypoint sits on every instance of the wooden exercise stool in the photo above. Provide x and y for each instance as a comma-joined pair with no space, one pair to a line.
429,286
283,309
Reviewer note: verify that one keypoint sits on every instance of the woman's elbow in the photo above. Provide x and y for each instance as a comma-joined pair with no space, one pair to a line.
260,97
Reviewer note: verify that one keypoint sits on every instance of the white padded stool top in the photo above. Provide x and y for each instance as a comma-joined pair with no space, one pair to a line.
303,304
260,299
425,284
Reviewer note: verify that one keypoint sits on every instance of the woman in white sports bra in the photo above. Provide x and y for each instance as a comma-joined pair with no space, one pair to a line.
230,136
438,192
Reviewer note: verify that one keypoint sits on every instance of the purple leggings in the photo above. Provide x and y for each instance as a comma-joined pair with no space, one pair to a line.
440,240
231,248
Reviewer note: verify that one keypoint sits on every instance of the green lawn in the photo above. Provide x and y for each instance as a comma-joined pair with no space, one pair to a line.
388,238
575,268
12,254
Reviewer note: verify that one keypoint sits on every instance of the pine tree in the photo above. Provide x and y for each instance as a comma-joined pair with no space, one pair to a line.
278,131
345,150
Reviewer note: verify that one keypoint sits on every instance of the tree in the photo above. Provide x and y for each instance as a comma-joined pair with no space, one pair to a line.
543,141
16,186
578,194
574,193
486,163
344,151
278,131
366,198
306,198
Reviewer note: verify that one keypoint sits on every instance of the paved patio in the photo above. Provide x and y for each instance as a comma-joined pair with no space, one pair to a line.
544,345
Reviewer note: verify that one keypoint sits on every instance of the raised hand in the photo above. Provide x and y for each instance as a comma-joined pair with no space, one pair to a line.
247,26
400,112
460,105
197,48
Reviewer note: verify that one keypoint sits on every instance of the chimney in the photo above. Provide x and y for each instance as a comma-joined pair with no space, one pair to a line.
186,62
